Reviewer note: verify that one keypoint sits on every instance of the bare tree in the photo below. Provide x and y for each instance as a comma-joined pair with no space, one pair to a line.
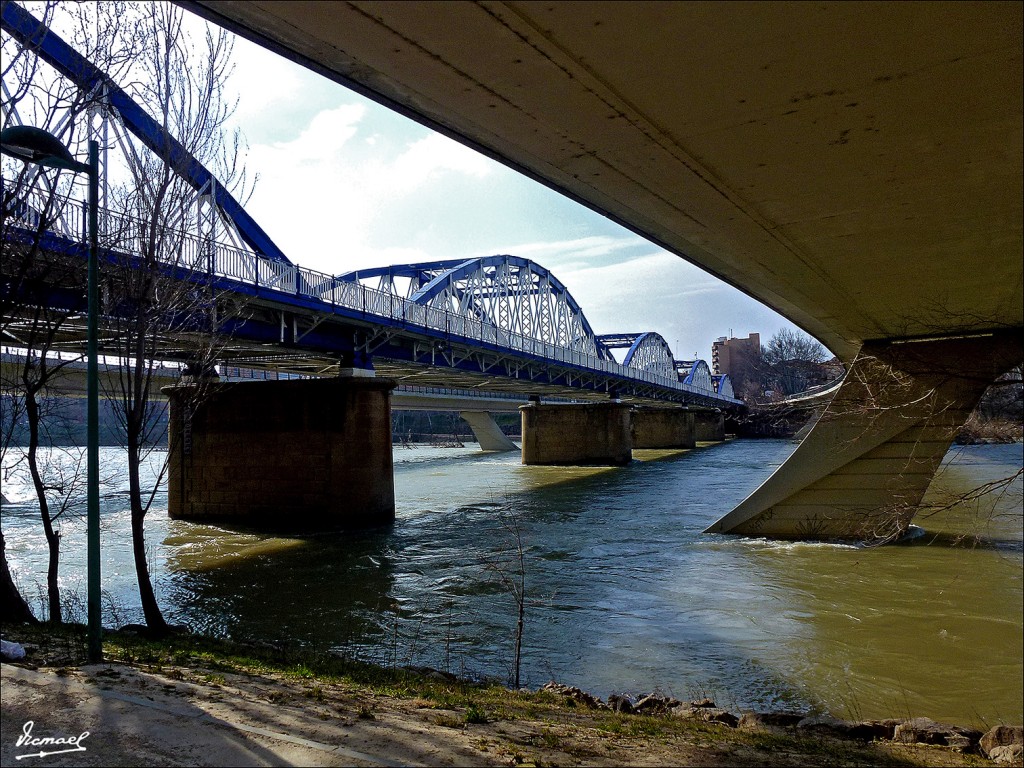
154,297
510,568
37,202
925,393
12,605
788,344
153,303
791,362
37,327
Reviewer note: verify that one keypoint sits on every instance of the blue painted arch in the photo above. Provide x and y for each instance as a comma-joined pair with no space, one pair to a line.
723,385
43,41
645,351
696,373
435,280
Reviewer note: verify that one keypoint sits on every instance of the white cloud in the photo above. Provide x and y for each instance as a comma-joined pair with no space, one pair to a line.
576,252
324,192
657,291
347,185
423,160
322,141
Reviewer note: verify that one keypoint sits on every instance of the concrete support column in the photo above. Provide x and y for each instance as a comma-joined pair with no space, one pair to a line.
290,454
862,470
709,426
577,433
663,428
487,431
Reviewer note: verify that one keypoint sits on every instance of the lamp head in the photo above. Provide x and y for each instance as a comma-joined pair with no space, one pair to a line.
34,145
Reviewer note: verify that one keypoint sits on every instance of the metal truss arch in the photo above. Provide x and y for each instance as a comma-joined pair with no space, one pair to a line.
114,101
723,385
516,295
501,321
647,351
696,373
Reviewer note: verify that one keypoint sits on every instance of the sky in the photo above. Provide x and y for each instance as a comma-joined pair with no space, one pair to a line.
343,183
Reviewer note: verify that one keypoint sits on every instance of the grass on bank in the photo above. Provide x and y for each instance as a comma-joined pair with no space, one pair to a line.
579,733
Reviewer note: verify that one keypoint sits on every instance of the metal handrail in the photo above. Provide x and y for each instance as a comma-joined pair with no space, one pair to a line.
212,258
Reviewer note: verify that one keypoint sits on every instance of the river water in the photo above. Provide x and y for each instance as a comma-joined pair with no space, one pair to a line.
624,594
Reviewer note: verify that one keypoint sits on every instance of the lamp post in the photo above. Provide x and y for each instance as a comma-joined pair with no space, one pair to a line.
34,145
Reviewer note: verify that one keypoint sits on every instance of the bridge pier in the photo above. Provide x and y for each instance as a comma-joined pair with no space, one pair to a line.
289,454
576,433
709,425
663,428
487,432
864,467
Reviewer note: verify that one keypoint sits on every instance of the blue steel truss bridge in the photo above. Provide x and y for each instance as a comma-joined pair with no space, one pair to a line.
496,323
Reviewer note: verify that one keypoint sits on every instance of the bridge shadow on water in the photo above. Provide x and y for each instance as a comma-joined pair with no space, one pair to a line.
324,589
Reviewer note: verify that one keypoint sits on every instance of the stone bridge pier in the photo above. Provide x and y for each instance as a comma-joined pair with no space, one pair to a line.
310,454
708,425
663,428
606,433
577,433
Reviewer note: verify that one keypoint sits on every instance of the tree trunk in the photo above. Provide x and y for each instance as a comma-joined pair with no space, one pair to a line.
150,609
52,536
13,607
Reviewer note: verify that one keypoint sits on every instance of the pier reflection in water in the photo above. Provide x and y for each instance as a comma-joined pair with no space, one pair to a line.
625,592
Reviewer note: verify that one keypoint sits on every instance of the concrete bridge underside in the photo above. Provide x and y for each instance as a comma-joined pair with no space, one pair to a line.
855,166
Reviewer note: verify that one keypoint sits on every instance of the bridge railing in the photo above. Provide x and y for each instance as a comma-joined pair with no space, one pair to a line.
205,255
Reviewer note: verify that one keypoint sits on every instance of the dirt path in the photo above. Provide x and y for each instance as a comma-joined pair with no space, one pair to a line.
185,717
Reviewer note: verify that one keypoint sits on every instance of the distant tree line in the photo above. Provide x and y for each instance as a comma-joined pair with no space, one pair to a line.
67,414
67,421
432,426
792,362
789,363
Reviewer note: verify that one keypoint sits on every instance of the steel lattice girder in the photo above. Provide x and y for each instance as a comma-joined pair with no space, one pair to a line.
515,294
697,373
32,33
647,351
511,294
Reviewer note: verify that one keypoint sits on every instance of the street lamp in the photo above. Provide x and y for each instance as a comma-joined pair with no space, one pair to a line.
34,145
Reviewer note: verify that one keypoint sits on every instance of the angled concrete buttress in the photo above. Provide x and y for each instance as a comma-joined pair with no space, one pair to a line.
487,432
862,470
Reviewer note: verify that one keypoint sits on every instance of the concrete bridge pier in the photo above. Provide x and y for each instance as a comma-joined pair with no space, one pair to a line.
577,433
310,454
864,467
663,428
487,431
709,425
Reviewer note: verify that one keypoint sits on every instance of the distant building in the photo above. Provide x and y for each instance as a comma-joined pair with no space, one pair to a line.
732,354
740,359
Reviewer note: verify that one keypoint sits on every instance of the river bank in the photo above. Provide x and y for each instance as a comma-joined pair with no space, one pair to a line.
625,595
785,421
326,710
